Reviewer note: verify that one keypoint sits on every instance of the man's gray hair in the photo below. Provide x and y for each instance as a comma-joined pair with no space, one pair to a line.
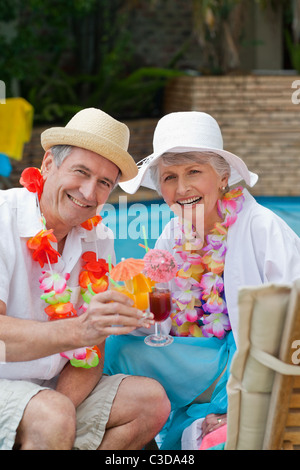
60,152
219,164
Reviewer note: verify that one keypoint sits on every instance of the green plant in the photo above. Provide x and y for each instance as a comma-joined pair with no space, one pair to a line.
68,54
135,95
53,99
294,51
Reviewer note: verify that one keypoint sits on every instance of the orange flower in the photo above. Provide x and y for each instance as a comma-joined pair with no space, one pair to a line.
234,193
84,279
61,310
98,267
97,350
100,285
31,179
215,266
97,284
43,252
92,222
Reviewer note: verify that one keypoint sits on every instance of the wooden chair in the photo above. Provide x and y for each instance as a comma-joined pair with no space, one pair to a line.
264,385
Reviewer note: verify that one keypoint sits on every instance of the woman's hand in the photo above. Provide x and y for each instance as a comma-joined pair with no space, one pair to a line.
111,313
213,422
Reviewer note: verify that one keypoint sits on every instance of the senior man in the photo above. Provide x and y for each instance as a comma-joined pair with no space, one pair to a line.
52,391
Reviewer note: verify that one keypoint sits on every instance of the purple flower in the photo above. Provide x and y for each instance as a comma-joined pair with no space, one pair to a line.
216,324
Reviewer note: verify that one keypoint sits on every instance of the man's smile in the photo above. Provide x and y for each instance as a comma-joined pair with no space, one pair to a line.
78,203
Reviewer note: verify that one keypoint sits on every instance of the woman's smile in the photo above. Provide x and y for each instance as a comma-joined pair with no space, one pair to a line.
189,201
189,187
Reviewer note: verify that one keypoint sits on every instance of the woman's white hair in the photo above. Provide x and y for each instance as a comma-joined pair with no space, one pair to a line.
218,163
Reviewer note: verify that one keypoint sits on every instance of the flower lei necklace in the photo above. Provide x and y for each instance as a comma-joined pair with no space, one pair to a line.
200,299
57,294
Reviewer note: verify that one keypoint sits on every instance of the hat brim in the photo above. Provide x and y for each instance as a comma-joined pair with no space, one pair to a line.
100,145
239,170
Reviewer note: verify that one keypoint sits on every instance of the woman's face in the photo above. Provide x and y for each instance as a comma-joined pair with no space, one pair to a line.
192,191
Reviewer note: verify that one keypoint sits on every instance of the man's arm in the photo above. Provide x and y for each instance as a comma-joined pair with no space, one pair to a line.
26,340
77,383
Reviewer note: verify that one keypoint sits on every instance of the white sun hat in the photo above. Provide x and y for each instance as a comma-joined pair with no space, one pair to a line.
185,132
93,129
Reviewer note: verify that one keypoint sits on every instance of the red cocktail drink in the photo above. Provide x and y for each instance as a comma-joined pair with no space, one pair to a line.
160,304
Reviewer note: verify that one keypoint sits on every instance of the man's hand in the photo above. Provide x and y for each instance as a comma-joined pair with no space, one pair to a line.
111,313
108,313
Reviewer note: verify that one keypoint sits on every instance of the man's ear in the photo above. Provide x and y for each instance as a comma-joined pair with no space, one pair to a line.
48,162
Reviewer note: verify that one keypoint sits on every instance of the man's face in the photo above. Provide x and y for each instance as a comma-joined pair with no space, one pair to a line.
73,191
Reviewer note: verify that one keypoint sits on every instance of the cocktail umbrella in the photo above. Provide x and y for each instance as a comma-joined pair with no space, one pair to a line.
160,265
127,269
137,285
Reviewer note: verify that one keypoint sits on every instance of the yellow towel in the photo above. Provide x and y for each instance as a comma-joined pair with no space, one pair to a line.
16,118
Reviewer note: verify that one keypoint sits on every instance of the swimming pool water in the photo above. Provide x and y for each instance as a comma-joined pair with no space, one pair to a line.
288,208
127,221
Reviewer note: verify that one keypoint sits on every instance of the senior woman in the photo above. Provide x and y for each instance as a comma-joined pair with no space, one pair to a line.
221,239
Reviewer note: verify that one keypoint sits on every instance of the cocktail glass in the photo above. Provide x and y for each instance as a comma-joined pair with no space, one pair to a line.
160,305
141,299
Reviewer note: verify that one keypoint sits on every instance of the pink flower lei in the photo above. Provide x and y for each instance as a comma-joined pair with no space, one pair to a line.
57,294
201,307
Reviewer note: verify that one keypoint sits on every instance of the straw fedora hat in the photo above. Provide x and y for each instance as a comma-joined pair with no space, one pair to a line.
185,132
94,130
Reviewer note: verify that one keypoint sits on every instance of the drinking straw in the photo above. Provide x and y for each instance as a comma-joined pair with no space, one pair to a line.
109,263
145,239
90,289
109,269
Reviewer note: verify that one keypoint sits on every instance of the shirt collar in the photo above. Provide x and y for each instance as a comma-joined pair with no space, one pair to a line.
29,218
28,214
